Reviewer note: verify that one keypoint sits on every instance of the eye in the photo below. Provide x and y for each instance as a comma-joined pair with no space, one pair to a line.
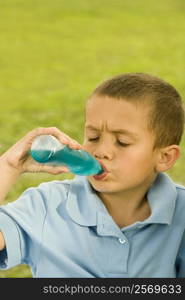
122,144
93,139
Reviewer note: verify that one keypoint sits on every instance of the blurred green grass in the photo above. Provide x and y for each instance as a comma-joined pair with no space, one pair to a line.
54,53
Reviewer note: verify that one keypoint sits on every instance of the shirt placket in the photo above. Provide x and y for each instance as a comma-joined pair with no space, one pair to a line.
116,246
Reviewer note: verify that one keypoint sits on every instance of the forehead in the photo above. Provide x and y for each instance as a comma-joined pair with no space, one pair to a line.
116,113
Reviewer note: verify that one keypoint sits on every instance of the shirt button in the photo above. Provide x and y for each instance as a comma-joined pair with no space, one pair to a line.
122,241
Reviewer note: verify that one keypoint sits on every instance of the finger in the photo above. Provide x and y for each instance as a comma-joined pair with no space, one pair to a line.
33,166
49,169
64,139
61,136
54,170
74,145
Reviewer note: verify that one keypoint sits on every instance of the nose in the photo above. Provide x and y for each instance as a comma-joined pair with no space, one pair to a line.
103,151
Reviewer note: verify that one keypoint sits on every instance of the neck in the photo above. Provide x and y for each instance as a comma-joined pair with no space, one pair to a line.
123,200
127,207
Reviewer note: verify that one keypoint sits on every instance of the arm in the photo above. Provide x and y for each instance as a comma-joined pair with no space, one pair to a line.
16,161
9,176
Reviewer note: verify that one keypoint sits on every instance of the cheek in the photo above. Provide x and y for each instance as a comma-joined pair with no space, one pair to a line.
87,147
138,158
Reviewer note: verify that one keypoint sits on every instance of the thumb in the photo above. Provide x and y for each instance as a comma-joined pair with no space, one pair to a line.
42,168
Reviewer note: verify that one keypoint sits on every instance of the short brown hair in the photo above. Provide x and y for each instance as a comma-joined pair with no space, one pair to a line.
166,118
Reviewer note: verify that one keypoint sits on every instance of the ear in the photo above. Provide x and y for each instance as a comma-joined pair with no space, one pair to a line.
167,157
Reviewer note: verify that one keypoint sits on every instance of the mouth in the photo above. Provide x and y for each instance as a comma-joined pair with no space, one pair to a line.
102,175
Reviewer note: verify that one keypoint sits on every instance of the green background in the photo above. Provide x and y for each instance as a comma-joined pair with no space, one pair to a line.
54,53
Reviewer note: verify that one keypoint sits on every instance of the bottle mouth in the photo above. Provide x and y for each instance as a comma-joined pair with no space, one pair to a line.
103,169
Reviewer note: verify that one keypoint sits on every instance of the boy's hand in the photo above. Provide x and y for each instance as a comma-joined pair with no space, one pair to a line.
17,156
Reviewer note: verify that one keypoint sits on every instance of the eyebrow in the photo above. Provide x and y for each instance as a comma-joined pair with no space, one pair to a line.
123,131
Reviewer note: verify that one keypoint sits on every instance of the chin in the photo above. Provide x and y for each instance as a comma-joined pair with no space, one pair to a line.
103,189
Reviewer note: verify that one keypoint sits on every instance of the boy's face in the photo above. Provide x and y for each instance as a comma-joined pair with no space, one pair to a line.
116,134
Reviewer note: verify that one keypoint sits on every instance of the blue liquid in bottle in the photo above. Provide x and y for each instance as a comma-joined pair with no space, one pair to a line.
47,149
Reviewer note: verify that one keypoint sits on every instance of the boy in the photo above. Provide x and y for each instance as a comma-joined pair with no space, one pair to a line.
127,222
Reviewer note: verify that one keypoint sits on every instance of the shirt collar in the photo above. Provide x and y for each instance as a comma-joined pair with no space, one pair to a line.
86,208
162,199
83,204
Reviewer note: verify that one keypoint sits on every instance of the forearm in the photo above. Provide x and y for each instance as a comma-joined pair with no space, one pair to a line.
8,177
16,160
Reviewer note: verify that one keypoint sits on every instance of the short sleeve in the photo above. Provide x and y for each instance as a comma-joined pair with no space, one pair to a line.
11,255
21,223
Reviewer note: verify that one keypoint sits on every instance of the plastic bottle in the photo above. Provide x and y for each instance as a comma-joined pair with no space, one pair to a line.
47,149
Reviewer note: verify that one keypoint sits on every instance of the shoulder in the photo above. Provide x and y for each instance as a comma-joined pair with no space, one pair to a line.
37,199
56,190
180,187
180,191
180,194
59,190
54,186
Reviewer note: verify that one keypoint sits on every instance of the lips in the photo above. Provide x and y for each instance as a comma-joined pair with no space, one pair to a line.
102,175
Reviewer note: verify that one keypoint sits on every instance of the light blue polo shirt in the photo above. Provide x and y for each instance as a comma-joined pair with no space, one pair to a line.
62,229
